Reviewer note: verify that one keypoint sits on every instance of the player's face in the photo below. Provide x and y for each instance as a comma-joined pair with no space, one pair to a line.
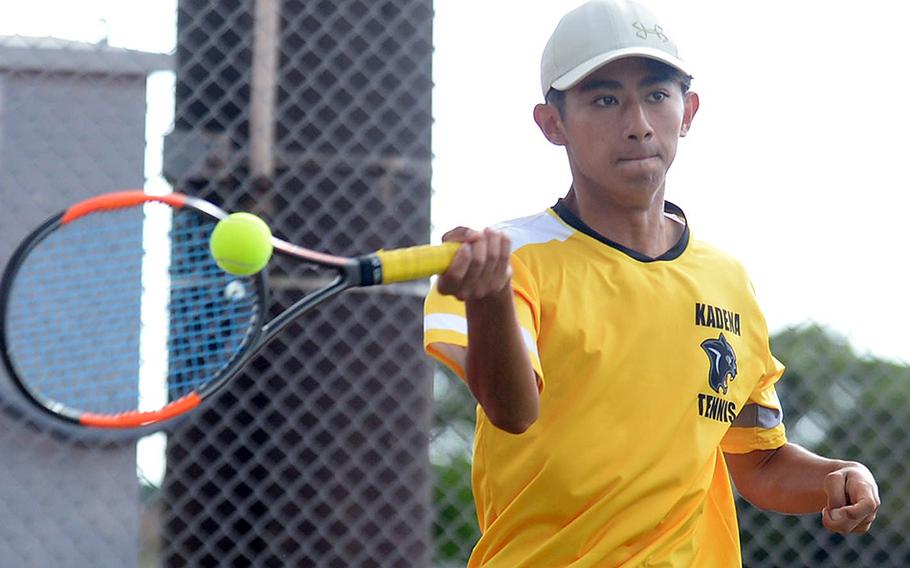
621,126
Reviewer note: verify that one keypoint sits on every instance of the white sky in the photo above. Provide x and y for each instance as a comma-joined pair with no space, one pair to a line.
794,164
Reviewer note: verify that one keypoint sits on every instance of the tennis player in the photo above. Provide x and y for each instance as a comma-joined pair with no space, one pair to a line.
622,366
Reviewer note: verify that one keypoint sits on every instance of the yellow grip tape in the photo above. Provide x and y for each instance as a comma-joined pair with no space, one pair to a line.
413,263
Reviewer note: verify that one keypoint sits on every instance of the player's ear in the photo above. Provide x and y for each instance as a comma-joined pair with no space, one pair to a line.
689,110
550,123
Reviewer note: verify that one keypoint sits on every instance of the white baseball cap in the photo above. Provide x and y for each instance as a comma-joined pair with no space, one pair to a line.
601,31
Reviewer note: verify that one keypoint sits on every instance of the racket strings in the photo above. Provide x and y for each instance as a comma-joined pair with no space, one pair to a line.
126,310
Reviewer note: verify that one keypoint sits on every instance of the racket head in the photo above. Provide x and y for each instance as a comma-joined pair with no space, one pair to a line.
114,315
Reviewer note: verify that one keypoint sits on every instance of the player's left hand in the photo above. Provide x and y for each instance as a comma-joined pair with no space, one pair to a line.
853,499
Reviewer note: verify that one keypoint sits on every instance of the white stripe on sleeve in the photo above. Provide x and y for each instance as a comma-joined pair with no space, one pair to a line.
459,324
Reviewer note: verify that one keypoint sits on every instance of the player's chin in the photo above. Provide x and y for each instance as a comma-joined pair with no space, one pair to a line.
643,181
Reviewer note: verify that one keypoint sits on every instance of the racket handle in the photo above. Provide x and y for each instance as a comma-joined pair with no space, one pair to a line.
414,263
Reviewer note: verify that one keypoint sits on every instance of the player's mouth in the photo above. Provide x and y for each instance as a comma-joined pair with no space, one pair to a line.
639,161
639,158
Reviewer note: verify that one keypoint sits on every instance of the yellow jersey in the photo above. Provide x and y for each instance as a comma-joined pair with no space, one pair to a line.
649,369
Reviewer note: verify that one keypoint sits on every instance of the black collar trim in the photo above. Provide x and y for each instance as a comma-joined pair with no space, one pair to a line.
672,254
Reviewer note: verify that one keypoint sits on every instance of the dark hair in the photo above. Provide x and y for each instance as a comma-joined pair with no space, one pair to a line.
659,68
557,99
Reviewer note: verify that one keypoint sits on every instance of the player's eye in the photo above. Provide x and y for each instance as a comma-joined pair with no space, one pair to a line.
659,96
606,100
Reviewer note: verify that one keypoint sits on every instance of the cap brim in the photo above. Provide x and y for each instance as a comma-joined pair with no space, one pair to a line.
572,77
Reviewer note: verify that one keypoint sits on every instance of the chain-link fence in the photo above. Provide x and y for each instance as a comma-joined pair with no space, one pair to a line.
342,445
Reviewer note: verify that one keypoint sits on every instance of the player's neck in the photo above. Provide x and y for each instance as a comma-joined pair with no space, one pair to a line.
642,228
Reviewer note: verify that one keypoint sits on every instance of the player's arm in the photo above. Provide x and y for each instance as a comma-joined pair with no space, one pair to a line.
795,481
497,367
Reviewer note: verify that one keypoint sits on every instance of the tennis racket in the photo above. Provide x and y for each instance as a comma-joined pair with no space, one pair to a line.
114,315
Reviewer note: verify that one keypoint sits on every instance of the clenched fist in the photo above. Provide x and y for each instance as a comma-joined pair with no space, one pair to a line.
853,500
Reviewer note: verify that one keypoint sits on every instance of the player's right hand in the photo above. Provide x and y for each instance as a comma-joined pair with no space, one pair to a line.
480,268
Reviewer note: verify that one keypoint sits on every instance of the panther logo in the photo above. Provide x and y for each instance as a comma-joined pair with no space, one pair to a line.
723,362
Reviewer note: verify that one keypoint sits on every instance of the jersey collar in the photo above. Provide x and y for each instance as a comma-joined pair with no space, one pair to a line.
675,251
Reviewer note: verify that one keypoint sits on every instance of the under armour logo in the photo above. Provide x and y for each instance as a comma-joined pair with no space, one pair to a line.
643,31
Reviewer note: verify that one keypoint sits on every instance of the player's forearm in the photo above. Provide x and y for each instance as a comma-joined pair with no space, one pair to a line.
788,480
498,369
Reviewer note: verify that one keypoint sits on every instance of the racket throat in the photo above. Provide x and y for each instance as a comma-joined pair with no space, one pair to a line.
370,268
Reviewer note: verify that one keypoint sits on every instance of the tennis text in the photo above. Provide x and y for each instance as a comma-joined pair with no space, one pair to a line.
716,408
719,318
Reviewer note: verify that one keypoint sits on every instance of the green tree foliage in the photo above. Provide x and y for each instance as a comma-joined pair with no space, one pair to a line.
841,404
455,528
837,402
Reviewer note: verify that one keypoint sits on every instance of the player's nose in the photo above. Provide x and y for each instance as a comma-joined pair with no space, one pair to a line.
636,125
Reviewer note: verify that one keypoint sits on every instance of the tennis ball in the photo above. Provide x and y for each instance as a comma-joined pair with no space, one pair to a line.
241,244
